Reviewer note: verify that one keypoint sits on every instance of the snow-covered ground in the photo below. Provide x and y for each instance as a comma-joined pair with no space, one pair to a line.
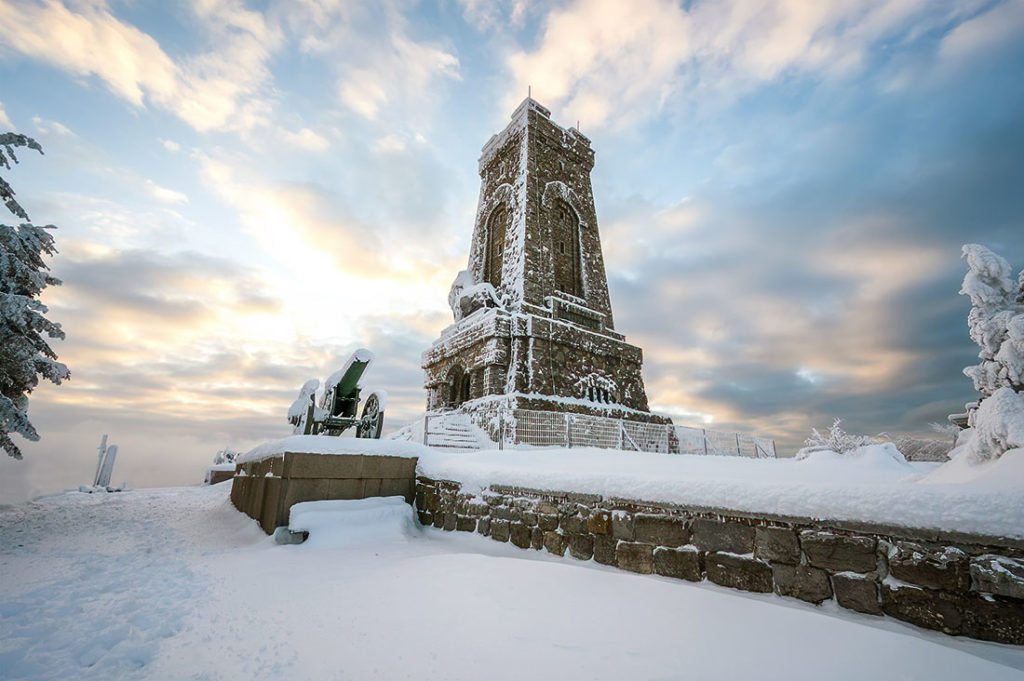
175,584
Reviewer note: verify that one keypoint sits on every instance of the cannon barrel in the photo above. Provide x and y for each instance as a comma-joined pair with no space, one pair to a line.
346,381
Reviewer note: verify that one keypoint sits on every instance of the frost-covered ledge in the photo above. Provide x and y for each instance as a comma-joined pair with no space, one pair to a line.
793,528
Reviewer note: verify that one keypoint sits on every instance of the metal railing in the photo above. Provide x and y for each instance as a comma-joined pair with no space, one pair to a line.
515,428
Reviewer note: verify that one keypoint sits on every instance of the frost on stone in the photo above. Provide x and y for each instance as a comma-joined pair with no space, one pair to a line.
996,320
466,295
999,575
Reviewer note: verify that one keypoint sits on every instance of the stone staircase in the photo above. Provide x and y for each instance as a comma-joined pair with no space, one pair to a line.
455,431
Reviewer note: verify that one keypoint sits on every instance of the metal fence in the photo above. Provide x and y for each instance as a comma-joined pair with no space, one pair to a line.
514,428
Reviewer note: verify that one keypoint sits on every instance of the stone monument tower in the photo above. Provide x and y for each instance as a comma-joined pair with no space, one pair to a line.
533,322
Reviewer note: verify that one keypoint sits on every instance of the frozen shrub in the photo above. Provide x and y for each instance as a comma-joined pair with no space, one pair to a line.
835,440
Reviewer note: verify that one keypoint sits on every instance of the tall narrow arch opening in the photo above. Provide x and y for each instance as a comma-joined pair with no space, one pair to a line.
495,252
459,382
565,237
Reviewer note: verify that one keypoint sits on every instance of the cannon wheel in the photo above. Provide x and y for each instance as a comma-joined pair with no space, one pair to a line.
372,421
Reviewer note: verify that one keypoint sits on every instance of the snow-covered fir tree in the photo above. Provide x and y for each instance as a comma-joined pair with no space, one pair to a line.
996,323
25,356
996,320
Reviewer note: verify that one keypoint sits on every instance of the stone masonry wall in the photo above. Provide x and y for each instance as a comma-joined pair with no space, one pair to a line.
959,584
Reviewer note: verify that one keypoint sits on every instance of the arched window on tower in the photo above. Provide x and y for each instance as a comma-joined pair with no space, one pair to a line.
495,246
565,237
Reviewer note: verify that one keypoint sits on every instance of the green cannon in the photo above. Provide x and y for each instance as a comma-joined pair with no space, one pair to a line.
335,411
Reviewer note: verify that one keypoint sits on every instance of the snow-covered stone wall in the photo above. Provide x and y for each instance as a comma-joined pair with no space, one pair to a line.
970,585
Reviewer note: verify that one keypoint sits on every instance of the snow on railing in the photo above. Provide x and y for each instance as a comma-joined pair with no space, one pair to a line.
515,428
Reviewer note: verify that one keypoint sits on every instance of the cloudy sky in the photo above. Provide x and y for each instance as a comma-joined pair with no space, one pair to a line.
246,192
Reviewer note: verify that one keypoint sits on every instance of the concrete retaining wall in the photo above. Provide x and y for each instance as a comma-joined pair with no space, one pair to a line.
266,490
960,584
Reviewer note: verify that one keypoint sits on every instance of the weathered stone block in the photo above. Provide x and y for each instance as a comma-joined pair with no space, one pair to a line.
477,508
371,487
377,466
635,557
581,546
945,568
857,592
506,513
738,572
802,581
716,536
777,545
997,619
923,607
838,552
304,465
555,543
492,499
574,524
536,538
431,499
426,518
583,498
465,523
660,530
297,491
530,518
622,525
451,521
547,522
998,575
396,487
483,526
600,523
500,529
604,550
547,507
519,534
439,519
682,563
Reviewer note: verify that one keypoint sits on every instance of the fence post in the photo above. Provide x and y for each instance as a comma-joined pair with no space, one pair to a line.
426,426
568,432
621,428
501,428
739,452
704,436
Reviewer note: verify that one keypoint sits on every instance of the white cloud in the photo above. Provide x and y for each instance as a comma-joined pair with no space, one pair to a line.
170,145
388,143
44,127
984,32
90,42
610,62
219,88
397,74
496,14
5,122
163,194
306,139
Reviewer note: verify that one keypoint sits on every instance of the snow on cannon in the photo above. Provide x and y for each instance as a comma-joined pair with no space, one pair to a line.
335,411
